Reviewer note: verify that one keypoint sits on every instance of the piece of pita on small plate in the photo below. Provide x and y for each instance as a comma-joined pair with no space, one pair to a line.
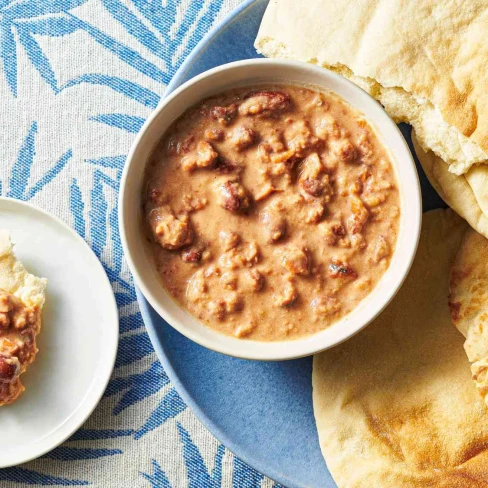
468,302
79,337
22,297
395,405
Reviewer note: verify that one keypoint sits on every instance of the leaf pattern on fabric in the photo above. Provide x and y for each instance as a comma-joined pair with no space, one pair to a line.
56,164
12,16
158,478
28,477
129,123
125,87
198,475
21,170
169,407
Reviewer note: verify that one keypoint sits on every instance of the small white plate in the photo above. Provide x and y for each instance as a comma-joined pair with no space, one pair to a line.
77,343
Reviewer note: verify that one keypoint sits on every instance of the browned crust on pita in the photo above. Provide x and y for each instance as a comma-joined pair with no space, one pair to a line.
395,405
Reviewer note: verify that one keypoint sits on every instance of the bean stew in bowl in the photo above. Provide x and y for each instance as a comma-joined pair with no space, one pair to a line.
272,213
271,210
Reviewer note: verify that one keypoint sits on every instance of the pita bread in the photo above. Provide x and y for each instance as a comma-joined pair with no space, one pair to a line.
424,61
468,302
15,279
457,191
477,178
395,405
31,290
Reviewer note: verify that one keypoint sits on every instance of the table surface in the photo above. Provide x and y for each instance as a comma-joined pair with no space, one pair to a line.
77,80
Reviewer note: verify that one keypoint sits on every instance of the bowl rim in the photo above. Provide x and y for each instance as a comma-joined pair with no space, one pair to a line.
243,347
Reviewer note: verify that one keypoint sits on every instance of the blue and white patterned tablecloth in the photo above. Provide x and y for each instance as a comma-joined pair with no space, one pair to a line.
77,80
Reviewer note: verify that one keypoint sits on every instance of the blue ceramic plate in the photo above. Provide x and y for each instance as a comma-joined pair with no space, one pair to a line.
260,411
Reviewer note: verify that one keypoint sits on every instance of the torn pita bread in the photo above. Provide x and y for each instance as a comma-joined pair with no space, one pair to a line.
15,279
17,350
424,61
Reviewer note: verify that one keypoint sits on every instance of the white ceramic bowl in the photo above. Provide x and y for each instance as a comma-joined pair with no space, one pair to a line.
247,73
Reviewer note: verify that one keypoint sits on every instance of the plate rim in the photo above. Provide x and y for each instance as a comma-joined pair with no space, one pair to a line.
197,50
146,310
216,432
98,387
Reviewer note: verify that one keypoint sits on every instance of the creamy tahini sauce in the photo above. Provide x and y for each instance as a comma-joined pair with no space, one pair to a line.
271,211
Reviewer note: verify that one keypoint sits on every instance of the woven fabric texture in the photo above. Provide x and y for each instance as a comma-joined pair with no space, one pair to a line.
78,78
